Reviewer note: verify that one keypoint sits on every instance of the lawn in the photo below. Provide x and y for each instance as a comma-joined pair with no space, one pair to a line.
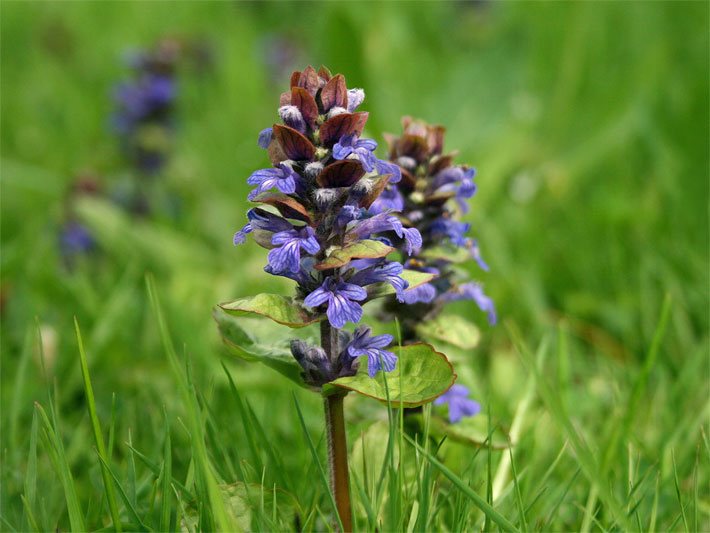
588,124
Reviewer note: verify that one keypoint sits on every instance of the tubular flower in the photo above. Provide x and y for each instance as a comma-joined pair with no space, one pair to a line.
377,357
315,216
432,193
282,178
362,149
288,255
342,301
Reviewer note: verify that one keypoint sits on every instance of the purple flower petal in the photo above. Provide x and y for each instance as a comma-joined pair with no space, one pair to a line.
424,293
342,301
317,297
459,403
241,236
385,167
282,177
288,255
377,358
355,98
473,291
265,138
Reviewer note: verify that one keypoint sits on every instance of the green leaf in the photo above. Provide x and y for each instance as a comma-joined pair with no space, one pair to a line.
425,375
455,254
359,250
238,335
98,435
452,329
414,277
276,307
57,454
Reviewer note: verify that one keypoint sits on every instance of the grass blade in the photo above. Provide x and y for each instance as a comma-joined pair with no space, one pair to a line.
31,472
98,436
126,501
678,495
223,519
518,495
589,465
167,490
76,518
482,504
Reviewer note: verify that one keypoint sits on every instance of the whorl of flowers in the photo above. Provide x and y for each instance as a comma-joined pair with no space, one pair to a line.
431,195
145,106
316,222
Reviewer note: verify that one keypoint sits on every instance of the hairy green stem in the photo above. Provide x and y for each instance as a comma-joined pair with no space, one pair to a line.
337,440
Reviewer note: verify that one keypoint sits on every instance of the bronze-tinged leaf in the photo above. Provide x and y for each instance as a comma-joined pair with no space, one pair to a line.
341,174
287,206
306,104
309,80
380,182
324,73
276,153
334,94
295,77
435,139
295,145
408,180
417,128
344,124
412,146
285,99
440,162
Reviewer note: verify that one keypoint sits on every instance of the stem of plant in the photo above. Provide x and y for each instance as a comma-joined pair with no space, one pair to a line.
337,441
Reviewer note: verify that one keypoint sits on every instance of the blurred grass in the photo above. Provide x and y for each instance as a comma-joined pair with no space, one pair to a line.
588,124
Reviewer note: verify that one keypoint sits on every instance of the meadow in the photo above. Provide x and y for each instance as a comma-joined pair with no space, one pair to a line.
588,125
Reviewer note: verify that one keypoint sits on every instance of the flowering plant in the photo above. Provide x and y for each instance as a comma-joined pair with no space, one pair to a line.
422,199
430,197
322,218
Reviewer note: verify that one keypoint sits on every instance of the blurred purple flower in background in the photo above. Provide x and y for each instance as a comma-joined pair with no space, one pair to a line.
75,238
145,106
460,405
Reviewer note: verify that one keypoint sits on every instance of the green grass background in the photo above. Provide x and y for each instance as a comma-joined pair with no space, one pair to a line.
588,123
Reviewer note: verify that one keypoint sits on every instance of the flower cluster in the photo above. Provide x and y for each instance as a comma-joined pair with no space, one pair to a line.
318,368
316,218
145,106
431,194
